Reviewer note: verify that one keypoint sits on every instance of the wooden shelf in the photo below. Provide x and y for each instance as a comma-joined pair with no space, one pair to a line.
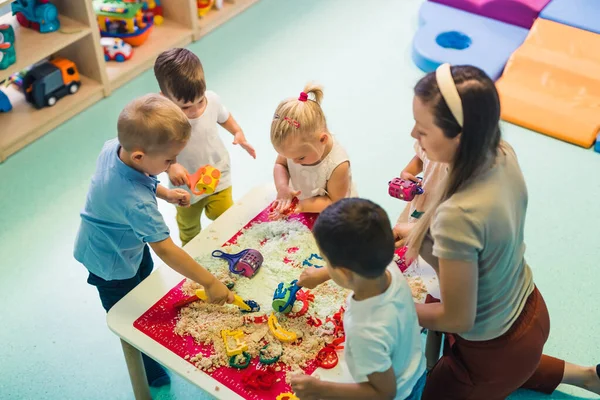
168,34
79,40
215,17
25,123
32,46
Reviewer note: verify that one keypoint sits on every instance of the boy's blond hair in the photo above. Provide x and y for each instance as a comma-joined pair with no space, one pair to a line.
299,117
180,75
151,122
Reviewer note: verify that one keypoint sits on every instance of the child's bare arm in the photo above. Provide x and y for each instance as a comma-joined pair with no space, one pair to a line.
312,277
412,169
176,258
337,188
238,135
381,385
281,176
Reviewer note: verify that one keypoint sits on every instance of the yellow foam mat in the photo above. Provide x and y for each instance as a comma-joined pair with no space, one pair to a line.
551,84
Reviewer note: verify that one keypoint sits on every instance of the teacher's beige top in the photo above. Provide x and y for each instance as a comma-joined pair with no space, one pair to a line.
484,223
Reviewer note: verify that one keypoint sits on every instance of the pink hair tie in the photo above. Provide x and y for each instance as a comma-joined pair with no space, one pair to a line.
303,97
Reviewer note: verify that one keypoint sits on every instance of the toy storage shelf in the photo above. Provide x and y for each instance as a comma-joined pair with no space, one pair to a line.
25,123
168,34
214,18
32,46
79,40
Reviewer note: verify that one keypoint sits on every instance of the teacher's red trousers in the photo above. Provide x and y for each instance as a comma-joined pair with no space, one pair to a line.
493,369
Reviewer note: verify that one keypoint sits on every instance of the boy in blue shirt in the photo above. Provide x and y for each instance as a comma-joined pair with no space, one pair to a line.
121,218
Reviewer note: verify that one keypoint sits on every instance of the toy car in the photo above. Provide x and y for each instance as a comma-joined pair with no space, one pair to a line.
49,81
39,15
5,105
116,49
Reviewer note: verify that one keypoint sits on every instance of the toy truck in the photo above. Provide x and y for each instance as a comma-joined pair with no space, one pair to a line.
49,81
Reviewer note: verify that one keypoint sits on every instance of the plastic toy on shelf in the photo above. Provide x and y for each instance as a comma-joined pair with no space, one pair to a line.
204,6
246,262
204,181
5,105
122,20
404,189
116,49
8,55
46,83
152,10
39,15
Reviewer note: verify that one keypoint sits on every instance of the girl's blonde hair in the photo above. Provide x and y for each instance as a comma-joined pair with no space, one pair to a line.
479,142
299,117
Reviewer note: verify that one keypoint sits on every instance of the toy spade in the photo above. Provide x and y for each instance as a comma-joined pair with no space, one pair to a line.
244,305
246,262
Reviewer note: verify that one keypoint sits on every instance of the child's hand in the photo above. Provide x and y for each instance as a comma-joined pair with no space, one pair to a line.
178,197
178,175
306,387
218,293
410,177
240,138
284,199
312,277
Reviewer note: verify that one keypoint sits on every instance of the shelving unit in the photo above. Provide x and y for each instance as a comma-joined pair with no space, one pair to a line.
75,40
215,17
32,46
79,40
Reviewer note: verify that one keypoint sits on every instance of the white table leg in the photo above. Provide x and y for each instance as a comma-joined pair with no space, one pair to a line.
137,373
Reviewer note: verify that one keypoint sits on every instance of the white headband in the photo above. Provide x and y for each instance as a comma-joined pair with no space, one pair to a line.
445,82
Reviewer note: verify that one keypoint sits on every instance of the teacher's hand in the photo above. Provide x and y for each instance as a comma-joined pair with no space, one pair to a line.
401,232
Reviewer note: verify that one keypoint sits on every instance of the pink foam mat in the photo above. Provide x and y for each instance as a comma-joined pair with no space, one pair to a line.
159,324
517,12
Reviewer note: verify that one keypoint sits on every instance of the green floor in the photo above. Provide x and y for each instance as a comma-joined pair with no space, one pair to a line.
53,334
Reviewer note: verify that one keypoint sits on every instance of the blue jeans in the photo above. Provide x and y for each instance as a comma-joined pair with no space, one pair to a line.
113,291
418,388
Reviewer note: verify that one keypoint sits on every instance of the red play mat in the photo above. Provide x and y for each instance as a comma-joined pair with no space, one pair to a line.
160,320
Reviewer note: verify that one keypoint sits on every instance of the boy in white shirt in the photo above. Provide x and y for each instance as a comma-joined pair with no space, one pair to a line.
180,77
383,344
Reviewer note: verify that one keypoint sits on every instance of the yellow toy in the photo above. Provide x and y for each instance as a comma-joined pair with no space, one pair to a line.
287,396
279,332
240,344
204,181
204,6
237,300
